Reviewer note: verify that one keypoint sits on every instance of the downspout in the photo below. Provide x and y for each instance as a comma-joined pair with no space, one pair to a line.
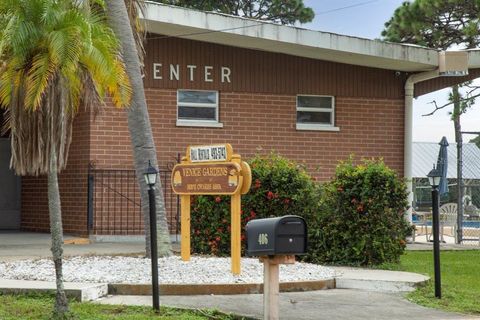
407,158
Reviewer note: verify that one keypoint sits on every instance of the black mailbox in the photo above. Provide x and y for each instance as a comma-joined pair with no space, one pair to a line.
285,235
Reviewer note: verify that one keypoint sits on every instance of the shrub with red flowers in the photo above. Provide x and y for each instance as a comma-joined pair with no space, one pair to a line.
279,187
361,217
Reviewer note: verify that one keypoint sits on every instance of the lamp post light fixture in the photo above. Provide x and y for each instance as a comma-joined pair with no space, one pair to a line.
151,178
434,177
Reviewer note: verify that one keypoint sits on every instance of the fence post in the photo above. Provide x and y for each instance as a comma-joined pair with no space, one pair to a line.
90,188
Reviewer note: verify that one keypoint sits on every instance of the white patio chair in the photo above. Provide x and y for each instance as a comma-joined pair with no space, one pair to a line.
448,218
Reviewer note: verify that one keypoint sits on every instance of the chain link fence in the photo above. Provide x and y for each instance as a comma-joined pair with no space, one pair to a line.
459,207
470,195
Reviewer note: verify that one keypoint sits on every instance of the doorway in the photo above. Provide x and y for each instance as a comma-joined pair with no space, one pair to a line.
10,187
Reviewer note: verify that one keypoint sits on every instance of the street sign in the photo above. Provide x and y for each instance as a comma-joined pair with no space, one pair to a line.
209,153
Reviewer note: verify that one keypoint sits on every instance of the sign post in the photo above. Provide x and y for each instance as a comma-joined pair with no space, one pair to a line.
212,170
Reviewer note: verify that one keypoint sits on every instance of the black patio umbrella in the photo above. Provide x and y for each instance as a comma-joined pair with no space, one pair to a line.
442,166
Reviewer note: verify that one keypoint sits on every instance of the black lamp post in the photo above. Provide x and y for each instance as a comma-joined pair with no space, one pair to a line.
151,178
434,177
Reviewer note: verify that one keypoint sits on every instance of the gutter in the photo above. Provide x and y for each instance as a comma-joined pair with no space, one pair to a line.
408,136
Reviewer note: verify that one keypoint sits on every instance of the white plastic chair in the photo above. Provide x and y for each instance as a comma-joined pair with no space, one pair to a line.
448,218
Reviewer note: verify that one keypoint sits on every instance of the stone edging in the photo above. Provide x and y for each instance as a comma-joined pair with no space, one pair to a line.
217,289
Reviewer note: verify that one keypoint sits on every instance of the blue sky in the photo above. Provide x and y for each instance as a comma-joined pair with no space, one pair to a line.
364,18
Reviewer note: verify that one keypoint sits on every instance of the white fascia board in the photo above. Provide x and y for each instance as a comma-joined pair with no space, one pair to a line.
267,36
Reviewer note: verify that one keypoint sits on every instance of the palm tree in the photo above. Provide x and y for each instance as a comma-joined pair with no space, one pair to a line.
138,118
55,56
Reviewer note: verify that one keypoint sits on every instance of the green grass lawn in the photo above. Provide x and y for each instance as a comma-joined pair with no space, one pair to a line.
39,307
460,279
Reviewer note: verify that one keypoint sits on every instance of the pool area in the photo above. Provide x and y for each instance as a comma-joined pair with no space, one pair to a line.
466,223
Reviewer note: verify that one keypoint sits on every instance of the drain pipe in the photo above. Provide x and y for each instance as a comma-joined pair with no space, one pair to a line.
407,158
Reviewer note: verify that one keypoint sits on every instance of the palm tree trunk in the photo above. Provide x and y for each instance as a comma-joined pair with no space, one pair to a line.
56,230
139,126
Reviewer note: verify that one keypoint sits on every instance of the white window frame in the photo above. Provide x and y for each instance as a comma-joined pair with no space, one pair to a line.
317,126
198,123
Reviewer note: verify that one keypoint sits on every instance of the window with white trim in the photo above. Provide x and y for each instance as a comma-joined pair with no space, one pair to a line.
316,113
197,108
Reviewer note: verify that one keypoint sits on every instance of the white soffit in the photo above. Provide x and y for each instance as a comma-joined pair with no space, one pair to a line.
246,33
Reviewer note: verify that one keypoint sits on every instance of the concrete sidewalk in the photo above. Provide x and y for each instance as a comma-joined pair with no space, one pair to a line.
30,245
346,303
336,304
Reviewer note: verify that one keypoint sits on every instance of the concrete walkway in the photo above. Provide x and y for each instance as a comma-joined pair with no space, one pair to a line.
345,303
336,304
30,245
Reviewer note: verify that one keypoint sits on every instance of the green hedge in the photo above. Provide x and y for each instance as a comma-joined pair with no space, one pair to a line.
356,219
279,187
362,217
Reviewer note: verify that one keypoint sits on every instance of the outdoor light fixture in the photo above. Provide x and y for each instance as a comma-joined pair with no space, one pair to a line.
434,177
151,178
150,175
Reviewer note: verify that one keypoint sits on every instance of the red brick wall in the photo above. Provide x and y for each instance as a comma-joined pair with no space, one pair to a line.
253,123
73,187
259,123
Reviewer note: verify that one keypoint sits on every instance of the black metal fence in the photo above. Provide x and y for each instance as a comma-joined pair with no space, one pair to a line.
114,203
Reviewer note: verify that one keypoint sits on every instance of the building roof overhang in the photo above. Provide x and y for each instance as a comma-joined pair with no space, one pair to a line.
267,36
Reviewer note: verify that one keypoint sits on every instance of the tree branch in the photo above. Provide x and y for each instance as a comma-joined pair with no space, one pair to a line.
447,104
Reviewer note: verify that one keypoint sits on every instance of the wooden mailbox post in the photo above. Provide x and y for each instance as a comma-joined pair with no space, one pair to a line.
212,170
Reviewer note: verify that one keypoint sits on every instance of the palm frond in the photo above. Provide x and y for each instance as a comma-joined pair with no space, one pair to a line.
56,56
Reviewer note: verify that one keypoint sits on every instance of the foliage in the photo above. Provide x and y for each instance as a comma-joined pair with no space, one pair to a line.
440,24
56,55
362,217
460,281
36,307
436,23
476,140
281,11
280,187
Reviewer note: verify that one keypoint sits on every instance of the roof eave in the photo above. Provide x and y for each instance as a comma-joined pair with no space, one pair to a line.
252,34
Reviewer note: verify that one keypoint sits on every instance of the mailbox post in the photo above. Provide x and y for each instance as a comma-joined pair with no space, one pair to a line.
276,241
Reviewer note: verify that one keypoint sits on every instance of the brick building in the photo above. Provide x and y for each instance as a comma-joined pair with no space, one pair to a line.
311,96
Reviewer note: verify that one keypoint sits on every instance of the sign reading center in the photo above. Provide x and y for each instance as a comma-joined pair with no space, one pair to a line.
212,170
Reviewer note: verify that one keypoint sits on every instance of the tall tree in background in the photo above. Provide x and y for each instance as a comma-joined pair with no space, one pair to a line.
141,136
281,11
56,55
441,24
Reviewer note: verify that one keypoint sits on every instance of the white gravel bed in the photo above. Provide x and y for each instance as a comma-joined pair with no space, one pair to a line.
171,270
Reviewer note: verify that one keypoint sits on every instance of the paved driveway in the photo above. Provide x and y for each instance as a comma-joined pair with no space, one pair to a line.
344,304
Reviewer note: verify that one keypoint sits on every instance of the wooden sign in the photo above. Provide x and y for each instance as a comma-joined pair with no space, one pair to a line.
212,170
208,179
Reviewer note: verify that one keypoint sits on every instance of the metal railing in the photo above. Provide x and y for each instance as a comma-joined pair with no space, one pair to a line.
114,202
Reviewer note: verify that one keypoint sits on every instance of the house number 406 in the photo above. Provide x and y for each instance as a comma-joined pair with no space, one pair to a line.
263,238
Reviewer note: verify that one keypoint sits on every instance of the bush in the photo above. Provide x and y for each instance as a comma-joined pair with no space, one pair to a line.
279,187
362,217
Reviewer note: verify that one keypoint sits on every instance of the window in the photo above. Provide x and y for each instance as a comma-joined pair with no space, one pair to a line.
316,113
197,108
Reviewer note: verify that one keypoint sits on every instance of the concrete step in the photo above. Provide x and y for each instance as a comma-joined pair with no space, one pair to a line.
378,280
77,291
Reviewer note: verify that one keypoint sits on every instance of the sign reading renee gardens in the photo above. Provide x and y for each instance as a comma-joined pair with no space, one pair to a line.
212,170
219,178
209,153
